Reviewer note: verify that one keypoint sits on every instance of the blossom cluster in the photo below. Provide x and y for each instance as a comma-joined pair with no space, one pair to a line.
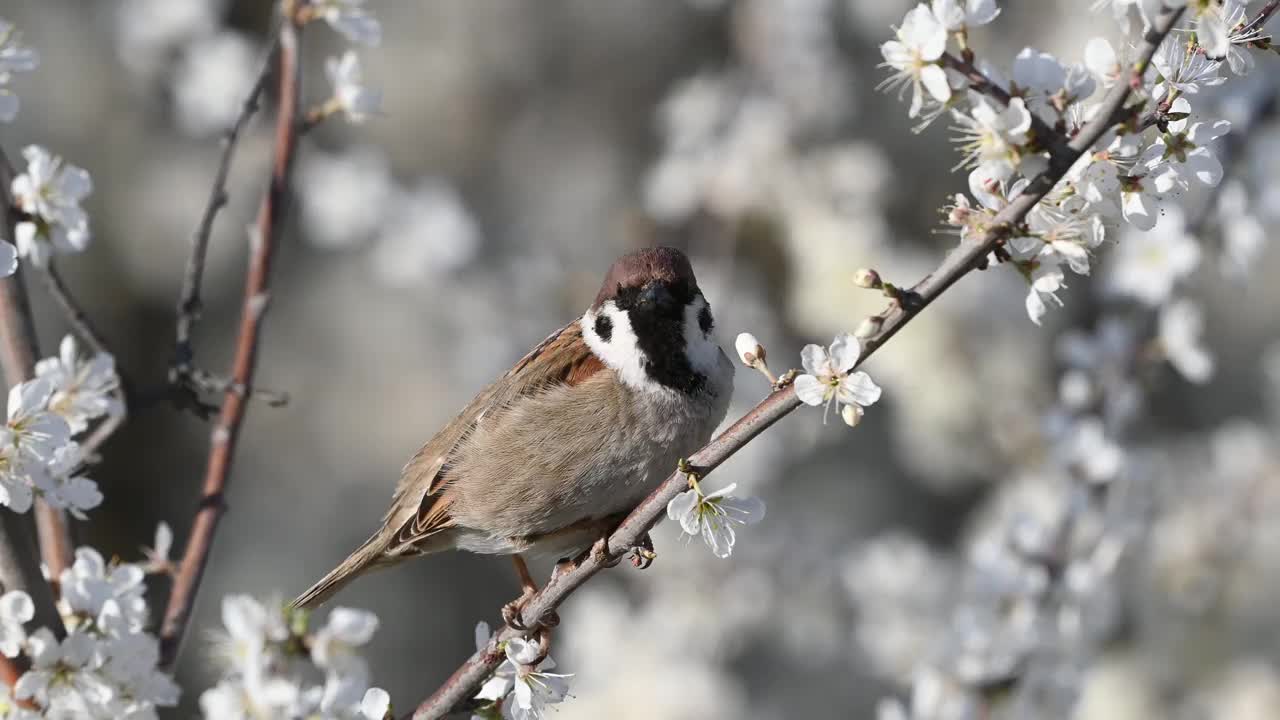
39,452
1161,149
521,688
105,666
271,655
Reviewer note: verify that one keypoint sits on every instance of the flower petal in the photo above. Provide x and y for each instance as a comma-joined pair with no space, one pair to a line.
859,388
810,391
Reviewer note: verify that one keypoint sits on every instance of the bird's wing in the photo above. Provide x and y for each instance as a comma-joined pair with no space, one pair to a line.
562,359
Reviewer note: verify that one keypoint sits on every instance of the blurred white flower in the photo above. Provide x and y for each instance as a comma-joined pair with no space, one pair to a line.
428,232
1088,450
351,19
524,691
13,58
16,609
336,646
714,516
343,197
1211,27
1181,326
1065,233
1102,61
827,378
149,30
1243,235
957,15
376,704
1140,192
1147,265
1049,86
82,391
158,554
50,192
211,81
350,95
913,56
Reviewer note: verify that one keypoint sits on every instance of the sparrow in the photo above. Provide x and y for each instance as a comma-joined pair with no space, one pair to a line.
554,454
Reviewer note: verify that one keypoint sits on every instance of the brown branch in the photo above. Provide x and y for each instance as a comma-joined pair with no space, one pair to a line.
971,254
262,241
1048,138
182,368
18,353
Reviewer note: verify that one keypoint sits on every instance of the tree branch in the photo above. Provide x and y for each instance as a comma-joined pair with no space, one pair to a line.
18,353
971,254
226,431
182,369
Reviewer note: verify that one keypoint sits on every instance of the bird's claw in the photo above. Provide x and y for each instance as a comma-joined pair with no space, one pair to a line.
785,379
643,555
512,615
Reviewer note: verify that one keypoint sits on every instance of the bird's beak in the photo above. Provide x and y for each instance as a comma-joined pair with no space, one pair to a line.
655,295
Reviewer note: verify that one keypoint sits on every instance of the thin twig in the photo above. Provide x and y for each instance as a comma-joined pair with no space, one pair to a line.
76,316
971,254
189,305
18,353
262,242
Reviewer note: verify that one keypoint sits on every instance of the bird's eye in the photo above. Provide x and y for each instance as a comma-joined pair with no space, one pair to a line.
704,320
604,327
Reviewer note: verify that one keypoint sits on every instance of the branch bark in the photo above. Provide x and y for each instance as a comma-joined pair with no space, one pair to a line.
970,255
18,353
262,241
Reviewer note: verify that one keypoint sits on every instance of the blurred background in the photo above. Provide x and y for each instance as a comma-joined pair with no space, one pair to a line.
524,146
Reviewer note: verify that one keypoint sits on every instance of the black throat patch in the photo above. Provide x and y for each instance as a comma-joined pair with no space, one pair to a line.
659,331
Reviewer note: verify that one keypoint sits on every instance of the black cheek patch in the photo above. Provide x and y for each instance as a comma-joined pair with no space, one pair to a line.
604,327
704,320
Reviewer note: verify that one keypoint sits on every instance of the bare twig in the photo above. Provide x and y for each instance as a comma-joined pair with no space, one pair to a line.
18,353
76,316
182,368
262,242
971,254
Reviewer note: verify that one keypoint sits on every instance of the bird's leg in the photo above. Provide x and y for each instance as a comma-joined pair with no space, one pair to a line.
643,555
511,612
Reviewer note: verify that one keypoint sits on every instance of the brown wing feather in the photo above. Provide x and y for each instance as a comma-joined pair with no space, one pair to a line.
562,358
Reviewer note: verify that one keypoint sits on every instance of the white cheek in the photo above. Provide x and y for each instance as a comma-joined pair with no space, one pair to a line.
704,353
621,353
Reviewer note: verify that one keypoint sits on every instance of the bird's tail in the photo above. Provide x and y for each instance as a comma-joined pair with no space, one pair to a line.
366,557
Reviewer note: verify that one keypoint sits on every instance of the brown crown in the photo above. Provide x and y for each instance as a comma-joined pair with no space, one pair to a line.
667,265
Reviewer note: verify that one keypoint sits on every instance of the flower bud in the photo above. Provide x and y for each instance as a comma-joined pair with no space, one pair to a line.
866,278
750,351
868,327
852,415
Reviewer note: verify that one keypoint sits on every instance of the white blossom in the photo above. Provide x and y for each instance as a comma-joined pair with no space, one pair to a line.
210,81
351,19
62,677
82,390
158,554
90,583
524,691
993,137
1181,326
1241,33
914,55
13,58
1049,86
749,349
16,609
350,95
63,488
1183,68
50,192
827,378
956,15
714,516
1102,61
1045,280
1184,150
